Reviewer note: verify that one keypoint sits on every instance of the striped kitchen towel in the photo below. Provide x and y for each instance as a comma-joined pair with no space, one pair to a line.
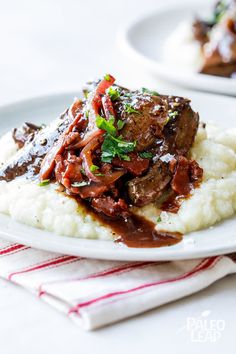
95,293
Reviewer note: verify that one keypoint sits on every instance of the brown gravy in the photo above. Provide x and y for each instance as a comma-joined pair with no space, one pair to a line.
134,231
172,203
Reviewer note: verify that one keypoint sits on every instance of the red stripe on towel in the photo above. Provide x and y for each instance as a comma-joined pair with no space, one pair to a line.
207,263
110,271
125,268
106,272
53,262
12,249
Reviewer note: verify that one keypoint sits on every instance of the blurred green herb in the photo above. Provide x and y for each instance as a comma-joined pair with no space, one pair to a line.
146,155
43,183
120,124
107,125
150,92
129,109
159,219
112,147
113,93
93,168
107,77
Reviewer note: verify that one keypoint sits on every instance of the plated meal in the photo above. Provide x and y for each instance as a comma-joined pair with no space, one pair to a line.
206,45
136,167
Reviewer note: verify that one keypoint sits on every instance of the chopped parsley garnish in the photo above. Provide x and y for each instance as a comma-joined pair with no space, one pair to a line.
45,182
120,124
146,155
107,77
86,93
112,147
219,11
107,125
150,92
127,94
159,219
172,114
82,170
129,109
93,168
87,114
113,93
99,174
80,184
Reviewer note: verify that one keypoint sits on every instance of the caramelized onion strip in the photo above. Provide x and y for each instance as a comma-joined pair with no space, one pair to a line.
91,191
99,92
107,107
84,141
48,162
93,108
74,108
86,155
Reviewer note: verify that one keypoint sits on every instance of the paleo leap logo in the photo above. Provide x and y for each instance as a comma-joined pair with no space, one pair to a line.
203,328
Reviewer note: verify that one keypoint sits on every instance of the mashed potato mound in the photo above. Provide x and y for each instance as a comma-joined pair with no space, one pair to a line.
182,50
214,200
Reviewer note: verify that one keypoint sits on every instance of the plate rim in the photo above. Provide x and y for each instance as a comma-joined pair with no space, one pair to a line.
219,85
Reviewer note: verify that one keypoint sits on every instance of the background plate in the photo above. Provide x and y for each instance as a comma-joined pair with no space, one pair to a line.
143,41
215,240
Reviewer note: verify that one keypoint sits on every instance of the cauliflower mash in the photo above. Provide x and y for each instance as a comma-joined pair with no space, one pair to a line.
213,201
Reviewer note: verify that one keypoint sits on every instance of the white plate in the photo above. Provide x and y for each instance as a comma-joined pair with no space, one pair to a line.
217,240
143,41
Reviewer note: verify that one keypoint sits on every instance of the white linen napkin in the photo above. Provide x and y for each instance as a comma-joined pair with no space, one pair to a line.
95,293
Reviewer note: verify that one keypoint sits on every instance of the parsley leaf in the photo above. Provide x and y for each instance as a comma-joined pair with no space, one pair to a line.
87,114
93,168
113,93
128,94
129,109
146,155
107,125
153,93
86,93
172,114
120,124
159,219
219,11
43,183
107,77
112,147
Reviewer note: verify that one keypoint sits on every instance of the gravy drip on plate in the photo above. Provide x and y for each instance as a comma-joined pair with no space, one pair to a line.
134,230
